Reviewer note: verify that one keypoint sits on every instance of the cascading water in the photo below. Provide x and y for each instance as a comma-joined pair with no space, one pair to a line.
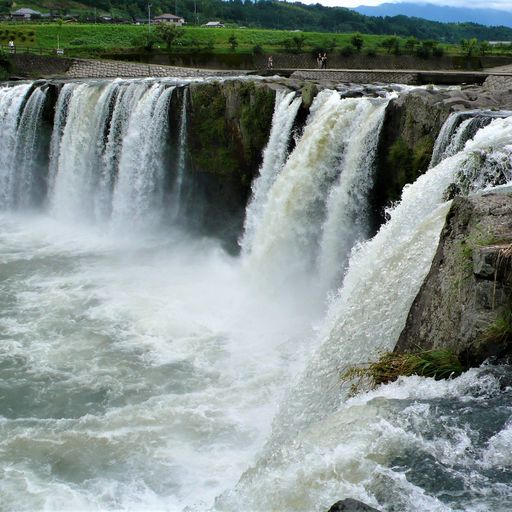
321,187
17,139
138,193
122,178
152,371
26,185
458,128
286,108
182,160
314,436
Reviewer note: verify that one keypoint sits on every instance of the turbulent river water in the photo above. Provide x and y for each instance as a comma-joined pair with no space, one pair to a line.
144,368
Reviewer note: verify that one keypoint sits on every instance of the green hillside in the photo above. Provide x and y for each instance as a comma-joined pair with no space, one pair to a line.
270,14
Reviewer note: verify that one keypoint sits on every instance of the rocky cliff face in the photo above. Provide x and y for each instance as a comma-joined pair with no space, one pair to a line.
465,301
229,125
412,123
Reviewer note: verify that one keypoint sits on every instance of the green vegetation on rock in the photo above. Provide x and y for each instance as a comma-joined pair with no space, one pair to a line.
438,364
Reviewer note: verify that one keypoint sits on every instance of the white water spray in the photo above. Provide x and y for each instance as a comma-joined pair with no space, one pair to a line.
286,107
139,190
328,172
11,101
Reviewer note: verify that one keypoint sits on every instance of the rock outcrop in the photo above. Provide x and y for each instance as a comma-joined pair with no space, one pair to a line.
229,125
351,505
411,125
465,302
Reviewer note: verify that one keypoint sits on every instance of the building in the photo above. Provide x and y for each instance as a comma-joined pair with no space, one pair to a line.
214,24
169,18
25,14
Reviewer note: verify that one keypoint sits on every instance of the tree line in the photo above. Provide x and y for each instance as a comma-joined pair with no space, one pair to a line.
297,16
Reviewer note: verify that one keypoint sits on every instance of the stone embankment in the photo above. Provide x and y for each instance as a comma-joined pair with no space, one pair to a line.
43,66
85,68
390,76
500,79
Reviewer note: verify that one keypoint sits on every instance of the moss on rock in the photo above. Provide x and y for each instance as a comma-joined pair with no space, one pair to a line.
228,128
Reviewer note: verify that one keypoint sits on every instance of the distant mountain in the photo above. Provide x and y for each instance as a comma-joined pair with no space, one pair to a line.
442,13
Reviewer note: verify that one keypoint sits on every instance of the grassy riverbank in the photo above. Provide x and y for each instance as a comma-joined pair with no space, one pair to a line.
80,38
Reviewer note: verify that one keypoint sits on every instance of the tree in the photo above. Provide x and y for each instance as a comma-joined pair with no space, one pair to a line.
233,42
298,41
485,48
168,33
411,43
469,46
390,43
357,41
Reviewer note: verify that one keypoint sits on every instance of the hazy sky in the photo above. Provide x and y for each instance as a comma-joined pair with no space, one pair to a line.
491,4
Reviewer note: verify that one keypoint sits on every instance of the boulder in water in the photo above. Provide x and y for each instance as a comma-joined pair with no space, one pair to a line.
351,505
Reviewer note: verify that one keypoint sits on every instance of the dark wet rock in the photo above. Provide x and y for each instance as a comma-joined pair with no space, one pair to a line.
465,302
351,505
411,125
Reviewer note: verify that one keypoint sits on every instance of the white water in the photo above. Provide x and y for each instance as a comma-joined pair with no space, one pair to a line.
139,190
155,372
308,202
317,452
286,107
182,159
107,152
27,164
11,100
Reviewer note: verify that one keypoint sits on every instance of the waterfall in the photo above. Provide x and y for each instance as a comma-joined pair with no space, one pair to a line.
12,101
458,128
286,107
322,185
385,273
107,151
181,164
139,190
61,112
78,154
157,371
365,319
347,218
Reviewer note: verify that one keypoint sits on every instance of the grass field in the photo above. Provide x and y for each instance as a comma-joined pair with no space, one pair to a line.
84,39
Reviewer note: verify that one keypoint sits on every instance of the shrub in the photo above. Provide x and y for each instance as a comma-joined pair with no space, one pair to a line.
371,52
437,364
423,52
348,50
257,49
438,51
357,41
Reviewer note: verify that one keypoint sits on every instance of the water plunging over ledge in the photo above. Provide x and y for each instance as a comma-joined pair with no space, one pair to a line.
144,368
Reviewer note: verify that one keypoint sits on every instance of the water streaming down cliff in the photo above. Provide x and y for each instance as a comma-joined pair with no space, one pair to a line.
124,178
144,371
286,108
458,128
316,452
182,160
315,209
21,116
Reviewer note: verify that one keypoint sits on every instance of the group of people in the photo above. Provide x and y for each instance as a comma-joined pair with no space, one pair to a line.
321,60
